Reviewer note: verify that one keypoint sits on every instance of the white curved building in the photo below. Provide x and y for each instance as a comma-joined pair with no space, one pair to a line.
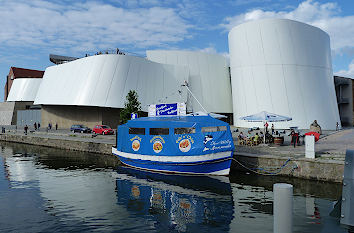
284,67
105,80
91,90
209,77
24,89
277,65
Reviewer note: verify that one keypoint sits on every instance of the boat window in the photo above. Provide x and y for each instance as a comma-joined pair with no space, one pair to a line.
139,131
214,129
159,131
184,130
222,128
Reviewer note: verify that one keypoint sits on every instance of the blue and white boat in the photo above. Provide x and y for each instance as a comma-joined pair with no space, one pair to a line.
179,144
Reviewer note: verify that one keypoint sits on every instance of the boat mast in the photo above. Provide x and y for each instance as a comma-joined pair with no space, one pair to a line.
186,85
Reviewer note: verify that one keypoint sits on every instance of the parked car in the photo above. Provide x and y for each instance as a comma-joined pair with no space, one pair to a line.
80,129
103,129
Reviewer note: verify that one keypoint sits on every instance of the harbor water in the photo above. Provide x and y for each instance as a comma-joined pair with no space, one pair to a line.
49,190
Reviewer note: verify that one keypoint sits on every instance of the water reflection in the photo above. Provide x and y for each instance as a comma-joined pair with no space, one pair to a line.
312,204
175,202
48,190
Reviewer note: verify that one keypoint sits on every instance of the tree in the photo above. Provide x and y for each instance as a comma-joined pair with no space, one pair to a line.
132,105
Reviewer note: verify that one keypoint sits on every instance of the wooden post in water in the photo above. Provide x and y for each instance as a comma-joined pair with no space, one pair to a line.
283,208
347,211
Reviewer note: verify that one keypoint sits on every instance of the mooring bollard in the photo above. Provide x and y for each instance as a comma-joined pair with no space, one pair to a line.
283,208
347,211
310,146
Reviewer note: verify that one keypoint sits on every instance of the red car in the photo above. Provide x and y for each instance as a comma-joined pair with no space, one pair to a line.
102,129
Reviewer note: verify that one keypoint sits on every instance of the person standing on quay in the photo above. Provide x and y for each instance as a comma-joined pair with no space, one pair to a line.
26,129
35,125
56,126
272,129
266,126
294,137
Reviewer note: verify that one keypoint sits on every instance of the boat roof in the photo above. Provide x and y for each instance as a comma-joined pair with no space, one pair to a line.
178,121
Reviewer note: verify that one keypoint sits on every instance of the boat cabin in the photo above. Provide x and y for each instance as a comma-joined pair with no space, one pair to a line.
171,136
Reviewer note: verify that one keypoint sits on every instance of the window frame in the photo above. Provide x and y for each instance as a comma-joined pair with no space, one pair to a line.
214,129
168,131
193,130
137,128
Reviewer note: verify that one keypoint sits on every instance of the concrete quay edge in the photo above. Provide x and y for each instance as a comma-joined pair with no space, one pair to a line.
75,145
314,169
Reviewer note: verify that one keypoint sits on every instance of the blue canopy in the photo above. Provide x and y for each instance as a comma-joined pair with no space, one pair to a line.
184,135
185,121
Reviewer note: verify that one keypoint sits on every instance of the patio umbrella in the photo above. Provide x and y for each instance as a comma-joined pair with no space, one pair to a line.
214,115
265,117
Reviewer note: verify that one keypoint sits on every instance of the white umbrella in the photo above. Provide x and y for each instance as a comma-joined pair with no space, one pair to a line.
214,115
264,117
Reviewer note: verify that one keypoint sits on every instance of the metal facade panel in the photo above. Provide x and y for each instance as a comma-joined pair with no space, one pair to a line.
261,85
239,97
28,117
255,45
275,50
209,78
105,80
278,88
295,79
24,89
88,92
251,94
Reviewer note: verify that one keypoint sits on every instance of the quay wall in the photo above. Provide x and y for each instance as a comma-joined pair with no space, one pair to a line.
93,147
313,169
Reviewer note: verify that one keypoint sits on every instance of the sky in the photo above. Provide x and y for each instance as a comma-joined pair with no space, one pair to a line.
31,30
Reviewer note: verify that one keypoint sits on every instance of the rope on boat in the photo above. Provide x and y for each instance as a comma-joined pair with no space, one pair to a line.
265,171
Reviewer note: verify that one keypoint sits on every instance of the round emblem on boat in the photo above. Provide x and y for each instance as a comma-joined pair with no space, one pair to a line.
185,145
157,147
135,145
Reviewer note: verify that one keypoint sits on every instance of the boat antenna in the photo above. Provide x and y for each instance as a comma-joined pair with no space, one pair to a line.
185,84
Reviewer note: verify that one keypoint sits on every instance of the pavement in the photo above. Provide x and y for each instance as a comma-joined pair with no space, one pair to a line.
65,134
332,145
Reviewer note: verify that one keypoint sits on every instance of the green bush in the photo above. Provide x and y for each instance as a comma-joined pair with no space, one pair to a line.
132,105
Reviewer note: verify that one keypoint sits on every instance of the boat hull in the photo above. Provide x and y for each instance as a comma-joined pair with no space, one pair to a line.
209,164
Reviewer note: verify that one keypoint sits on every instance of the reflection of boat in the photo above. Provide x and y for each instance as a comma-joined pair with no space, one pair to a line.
176,202
185,144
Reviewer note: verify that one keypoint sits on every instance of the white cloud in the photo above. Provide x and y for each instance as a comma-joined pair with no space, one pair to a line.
325,16
88,26
144,3
209,49
247,2
347,73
